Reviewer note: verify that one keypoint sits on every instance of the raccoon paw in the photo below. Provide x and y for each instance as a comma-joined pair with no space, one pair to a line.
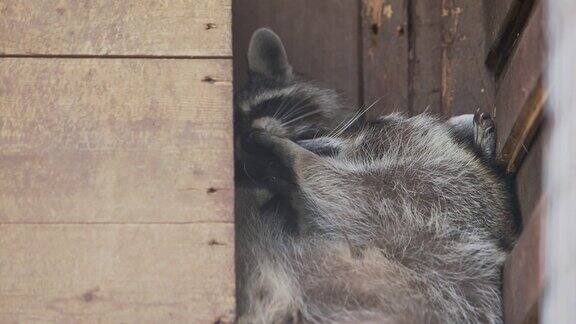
275,160
485,133
290,160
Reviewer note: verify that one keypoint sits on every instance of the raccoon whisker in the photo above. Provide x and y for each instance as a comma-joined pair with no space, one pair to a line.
295,109
289,103
302,116
297,115
345,124
248,174
282,104
286,102
357,116
336,129
340,125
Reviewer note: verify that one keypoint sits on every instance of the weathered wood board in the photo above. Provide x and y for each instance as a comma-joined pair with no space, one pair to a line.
521,78
522,273
426,60
116,190
115,140
496,14
529,180
385,49
116,166
108,27
130,273
467,84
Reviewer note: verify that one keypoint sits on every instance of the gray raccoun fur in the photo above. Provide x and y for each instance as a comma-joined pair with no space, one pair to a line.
346,219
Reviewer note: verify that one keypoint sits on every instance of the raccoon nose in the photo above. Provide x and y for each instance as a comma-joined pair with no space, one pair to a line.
270,125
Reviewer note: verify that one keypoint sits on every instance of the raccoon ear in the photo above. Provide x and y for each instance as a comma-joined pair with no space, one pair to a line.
267,56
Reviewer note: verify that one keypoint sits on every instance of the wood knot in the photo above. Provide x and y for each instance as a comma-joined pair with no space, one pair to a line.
213,242
209,79
88,297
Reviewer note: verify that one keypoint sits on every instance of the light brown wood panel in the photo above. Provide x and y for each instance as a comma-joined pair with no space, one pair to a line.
109,27
522,273
117,273
520,89
115,140
320,36
385,47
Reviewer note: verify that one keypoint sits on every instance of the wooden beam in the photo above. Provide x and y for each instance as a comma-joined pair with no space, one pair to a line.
505,21
530,176
521,93
522,273
497,15
524,129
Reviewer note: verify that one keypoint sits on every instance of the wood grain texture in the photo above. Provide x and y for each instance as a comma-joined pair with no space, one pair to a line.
521,77
523,131
115,141
426,57
117,273
108,27
467,85
512,18
385,46
320,36
522,273
496,16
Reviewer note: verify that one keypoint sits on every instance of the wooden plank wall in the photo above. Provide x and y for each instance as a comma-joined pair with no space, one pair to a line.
413,56
518,59
116,173
447,57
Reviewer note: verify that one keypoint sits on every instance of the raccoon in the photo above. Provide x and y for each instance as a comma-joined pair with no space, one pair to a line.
342,218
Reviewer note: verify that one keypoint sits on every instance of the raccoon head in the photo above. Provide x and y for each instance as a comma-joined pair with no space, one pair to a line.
277,101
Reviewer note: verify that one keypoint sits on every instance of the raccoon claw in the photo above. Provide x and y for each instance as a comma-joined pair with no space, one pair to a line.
485,133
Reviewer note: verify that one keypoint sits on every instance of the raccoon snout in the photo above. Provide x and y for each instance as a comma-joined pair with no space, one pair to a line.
270,125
